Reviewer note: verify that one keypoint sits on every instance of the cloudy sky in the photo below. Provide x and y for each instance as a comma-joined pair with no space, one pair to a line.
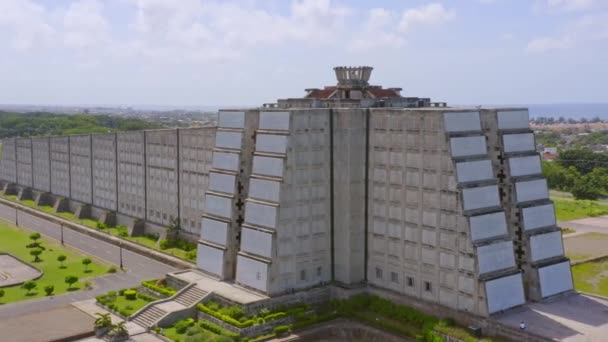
220,52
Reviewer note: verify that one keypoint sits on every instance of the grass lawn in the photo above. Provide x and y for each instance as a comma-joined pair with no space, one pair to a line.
567,210
142,240
197,334
591,277
125,306
14,240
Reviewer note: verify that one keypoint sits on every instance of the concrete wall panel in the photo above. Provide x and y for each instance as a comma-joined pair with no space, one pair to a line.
260,214
274,120
516,119
524,166
480,197
538,216
231,119
218,206
252,273
268,166
468,146
504,293
554,279
222,182
225,161
531,190
214,231
496,256
518,142
256,242
472,171
544,246
229,140
210,259
42,174
488,226
264,189
461,121
271,143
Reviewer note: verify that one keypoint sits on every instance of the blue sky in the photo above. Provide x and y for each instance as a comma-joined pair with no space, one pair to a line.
201,52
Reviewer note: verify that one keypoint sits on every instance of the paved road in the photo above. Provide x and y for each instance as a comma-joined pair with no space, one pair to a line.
138,267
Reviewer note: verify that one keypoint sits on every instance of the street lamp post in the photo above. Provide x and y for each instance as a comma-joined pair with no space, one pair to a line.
62,233
16,216
120,251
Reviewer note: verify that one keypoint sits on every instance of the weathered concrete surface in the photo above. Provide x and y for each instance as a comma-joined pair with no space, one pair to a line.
14,271
571,318
66,323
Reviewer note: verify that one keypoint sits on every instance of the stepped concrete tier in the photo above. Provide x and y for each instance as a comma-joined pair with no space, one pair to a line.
353,184
14,271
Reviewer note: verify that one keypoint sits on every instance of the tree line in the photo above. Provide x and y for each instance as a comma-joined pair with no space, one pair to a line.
549,120
579,171
42,124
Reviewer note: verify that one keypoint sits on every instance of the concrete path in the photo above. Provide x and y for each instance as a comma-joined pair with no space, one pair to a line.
586,225
572,318
138,267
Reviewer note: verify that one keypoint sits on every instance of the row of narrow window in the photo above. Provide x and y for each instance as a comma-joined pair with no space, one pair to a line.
428,287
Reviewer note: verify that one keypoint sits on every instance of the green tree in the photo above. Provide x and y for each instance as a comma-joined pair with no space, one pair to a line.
70,280
36,253
29,286
1,293
49,289
585,188
61,259
35,236
86,262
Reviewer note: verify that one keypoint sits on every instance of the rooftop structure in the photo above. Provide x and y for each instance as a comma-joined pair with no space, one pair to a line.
447,205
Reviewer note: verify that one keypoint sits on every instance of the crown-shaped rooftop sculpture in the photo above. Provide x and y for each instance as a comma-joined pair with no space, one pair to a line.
350,77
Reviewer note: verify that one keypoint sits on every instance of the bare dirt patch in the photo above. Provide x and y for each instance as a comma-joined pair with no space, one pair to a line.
586,246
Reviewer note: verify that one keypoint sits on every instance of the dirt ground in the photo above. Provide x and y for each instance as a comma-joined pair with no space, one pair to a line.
586,246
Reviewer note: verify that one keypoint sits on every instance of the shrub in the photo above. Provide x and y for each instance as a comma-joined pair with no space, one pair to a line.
86,262
213,305
1,293
36,253
112,269
164,244
183,325
264,312
277,315
101,225
216,329
221,315
146,297
130,294
88,285
233,311
125,312
70,280
49,289
121,292
61,259
281,329
151,284
29,286
191,255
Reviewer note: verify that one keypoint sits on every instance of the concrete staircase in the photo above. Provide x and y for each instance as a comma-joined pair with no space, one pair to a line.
190,297
167,309
149,316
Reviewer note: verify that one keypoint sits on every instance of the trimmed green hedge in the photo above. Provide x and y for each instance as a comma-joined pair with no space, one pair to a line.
225,318
151,284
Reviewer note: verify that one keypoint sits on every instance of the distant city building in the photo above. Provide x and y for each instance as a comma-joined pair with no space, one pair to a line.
352,184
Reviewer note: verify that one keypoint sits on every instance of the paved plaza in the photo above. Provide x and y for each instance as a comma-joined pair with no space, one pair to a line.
14,271
572,318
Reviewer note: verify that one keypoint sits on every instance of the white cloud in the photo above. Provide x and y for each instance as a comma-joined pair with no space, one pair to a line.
586,29
84,25
389,28
26,22
567,5
427,15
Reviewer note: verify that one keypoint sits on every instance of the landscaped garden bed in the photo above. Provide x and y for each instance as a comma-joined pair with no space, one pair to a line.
125,302
371,310
175,246
158,287
63,269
